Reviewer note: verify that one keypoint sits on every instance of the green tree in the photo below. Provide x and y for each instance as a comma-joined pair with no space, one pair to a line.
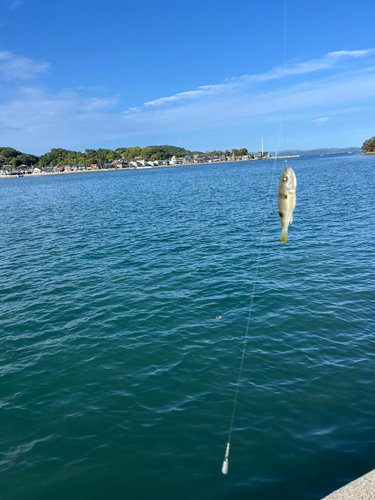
369,145
15,162
7,155
90,153
27,159
58,156
242,152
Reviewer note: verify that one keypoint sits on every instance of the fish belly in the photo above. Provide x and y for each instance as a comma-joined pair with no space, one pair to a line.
286,207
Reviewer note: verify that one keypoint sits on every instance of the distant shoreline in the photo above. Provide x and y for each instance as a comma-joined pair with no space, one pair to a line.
149,167
43,174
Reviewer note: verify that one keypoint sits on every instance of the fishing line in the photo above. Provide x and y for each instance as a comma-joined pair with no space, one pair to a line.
284,119
224,469
225,465
224,314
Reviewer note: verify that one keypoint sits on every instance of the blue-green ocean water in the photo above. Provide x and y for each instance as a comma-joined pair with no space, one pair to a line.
117,381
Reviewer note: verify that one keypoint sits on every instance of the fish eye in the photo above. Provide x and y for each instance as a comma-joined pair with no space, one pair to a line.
281,214
285,178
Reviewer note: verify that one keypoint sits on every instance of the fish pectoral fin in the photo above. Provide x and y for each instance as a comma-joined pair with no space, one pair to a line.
291,219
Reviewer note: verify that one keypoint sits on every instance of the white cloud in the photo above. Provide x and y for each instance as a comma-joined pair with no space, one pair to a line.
319,121
13,67
94,104
350,53
36,117
192,94
327,61
14,5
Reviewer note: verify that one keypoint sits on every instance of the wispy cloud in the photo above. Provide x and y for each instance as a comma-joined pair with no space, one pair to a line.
33,115
325,62
319,121
14,67
192,94
14,5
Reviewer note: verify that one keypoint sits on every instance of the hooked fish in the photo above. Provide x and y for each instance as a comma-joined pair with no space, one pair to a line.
286,200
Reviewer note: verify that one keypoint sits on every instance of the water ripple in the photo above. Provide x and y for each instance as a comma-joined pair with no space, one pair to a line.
124,303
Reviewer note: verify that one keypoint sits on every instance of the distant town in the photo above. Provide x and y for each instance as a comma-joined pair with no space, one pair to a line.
137,163
14,163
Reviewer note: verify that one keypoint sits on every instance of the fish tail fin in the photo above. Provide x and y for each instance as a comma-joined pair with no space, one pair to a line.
284,235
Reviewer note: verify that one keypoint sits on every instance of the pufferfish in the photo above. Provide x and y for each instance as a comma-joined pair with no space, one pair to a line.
286,200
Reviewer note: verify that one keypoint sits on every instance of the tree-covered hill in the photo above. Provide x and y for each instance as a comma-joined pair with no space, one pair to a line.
10,156
60,157
153,152
369,145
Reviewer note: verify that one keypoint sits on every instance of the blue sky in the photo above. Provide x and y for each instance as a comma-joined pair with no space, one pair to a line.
202,74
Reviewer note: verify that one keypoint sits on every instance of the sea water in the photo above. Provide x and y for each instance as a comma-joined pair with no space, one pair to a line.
124,303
